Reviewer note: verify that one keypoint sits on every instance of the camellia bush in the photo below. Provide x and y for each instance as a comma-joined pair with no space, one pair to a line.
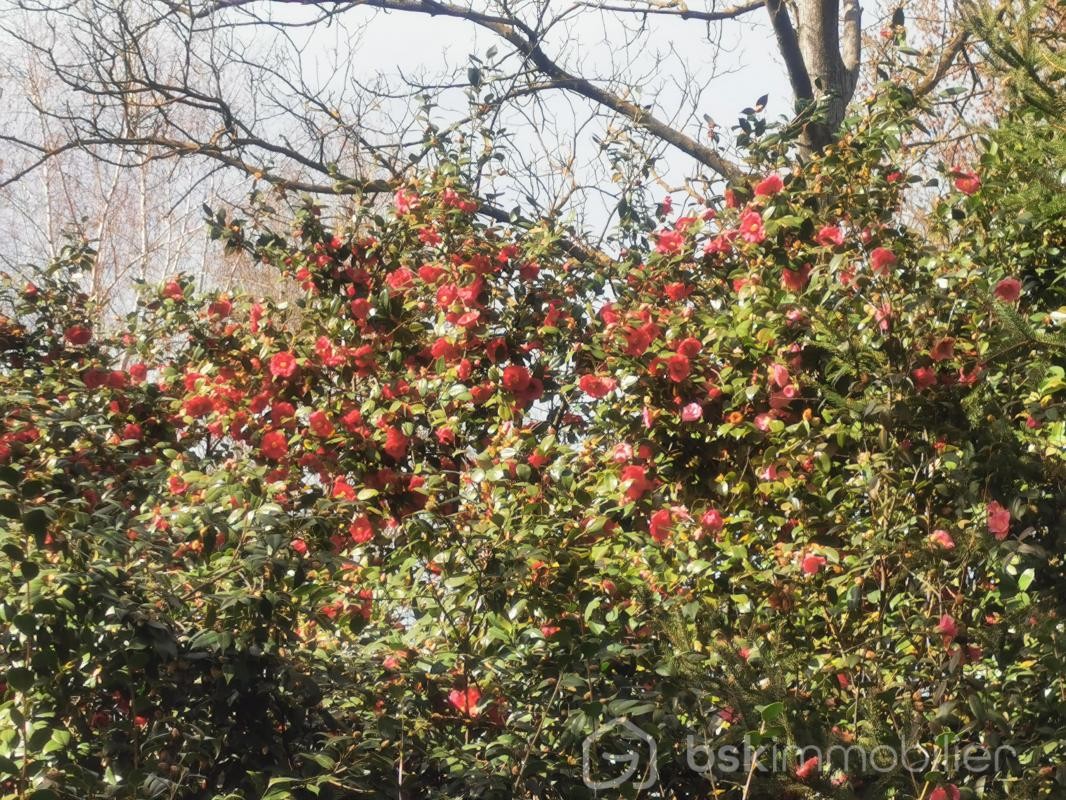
788,472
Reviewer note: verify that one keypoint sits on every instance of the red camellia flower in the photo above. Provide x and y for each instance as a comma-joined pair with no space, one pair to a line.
1008,290
751,228
198,406
222,307
132,431
636,481
678,367
812,564
78,334
400,279
769,186
395,443
283,365
948,791
516,379
596,386
320,424
638,340
659,525
830,236
689,347
361,530
882,260
966,182
173,291
923,377
342,490
796,280
998,520
465,701
274,445
712,520
943,350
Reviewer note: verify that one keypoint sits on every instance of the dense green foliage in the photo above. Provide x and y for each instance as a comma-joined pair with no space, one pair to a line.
786,472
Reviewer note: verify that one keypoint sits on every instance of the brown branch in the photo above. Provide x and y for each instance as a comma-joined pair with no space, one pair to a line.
732,12
943,65
526,41
788,43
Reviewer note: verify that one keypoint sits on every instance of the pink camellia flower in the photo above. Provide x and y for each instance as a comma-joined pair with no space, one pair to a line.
942,538
998,520
283,365
779,375
465,701
830,236
712,520
406,201
751,228
1008,290
769,186
967,182
596,386
882,260
948,791
943,350
669,243
884,315
622,453
659,525
807,768
923,377
691,412
812,564
947,628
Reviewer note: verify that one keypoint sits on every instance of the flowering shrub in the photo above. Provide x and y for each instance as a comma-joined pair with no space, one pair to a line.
790,472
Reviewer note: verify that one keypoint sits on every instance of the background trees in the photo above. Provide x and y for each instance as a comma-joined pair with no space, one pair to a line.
569,111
